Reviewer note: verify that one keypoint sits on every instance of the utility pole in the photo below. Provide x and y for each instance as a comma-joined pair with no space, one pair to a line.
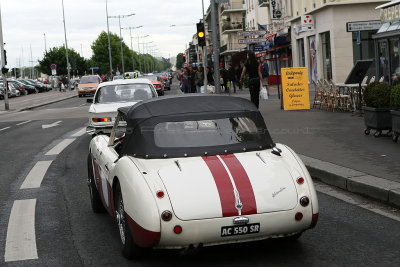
109,43
133,53
66,48
45,45
3,65
215,46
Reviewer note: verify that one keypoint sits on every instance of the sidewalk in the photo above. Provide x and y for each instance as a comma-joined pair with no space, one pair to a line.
336,150
35,100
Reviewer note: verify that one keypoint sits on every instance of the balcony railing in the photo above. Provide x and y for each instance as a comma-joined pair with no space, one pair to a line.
234,26
232,8
263,3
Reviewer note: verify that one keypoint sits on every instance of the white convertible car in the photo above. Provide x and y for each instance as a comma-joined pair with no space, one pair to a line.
195,171
110,96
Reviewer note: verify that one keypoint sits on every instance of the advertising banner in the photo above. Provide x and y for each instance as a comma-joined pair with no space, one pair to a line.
295,89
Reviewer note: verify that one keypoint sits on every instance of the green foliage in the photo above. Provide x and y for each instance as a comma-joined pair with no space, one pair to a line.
377,95
57,55
395,98
179,60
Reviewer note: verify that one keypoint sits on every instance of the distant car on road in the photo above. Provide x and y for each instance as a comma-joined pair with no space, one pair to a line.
112,95
118,77
88,85
198,170
164,78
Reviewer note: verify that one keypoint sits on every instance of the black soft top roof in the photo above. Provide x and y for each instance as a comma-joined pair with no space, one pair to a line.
142,117
193,103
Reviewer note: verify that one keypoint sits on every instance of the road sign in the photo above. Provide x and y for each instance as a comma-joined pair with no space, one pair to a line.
251,33
251,40
363,25
53,66
258,48
53,72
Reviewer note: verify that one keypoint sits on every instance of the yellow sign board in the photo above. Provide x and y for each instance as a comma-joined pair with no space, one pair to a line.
295,88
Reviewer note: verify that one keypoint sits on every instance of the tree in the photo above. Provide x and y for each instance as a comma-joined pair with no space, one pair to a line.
101,59
179,60
57,55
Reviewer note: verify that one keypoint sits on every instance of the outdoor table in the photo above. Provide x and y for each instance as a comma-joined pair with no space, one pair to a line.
351,87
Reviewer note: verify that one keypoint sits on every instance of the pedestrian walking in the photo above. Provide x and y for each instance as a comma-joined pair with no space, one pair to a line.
239,71
231,78
264,68
210,76
251,67
199,79
223,79
60,83
192,74
185,81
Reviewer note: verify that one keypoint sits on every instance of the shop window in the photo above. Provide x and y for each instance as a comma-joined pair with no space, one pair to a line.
364,49
312,45
383,56
326,54
395,61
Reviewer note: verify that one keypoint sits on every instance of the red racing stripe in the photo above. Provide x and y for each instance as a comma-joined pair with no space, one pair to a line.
242,183
224,185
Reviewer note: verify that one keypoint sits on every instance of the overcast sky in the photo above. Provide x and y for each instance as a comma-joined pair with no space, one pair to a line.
25,22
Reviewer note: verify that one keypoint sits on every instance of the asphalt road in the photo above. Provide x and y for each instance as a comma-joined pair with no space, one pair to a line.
352,231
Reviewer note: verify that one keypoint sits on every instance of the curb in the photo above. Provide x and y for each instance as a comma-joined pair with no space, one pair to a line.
377,188
39,105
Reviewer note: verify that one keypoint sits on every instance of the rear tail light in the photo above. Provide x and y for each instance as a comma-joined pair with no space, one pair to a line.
314,220
300,180
160,194
166,216
304,201
298,216
101,119
178,229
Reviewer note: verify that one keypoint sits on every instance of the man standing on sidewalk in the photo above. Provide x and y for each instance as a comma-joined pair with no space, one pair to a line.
231,78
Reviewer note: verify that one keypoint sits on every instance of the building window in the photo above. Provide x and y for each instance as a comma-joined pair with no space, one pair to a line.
383,54
300,47
326,54
395,61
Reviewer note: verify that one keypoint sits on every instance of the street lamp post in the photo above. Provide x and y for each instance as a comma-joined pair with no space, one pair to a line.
133,54
120,36
45,45
144,55
66,48
109,42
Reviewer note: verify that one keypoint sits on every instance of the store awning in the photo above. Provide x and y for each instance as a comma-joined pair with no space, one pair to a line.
388,4
388,29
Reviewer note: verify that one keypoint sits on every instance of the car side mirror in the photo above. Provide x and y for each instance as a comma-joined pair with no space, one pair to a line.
89,100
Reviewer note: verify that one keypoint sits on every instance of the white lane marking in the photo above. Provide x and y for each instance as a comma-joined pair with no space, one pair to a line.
347,197
79,133
60,147
5,128
84,104
21,237
45,126
49,109
35,177
22,123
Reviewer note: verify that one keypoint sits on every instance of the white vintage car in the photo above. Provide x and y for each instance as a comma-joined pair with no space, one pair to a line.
112,95
198,170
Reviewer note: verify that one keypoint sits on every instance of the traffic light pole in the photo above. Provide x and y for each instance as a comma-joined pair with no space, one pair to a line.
215,46
204,52
3,64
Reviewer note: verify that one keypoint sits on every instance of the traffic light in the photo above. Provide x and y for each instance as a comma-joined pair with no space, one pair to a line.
201,36
4,70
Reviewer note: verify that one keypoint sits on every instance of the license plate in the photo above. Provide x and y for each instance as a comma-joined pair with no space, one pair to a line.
240,229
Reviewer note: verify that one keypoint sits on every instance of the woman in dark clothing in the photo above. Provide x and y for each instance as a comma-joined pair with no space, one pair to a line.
251,66
210,77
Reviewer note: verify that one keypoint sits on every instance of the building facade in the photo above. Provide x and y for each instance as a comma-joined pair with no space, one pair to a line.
321,40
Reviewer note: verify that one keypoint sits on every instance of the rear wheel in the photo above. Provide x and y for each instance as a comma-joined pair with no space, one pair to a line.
95,200
129,249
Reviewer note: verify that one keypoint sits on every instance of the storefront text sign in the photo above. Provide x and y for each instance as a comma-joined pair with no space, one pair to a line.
363,25
391,13
295,88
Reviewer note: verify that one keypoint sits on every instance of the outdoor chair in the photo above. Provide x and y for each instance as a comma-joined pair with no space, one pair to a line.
372,80
382,79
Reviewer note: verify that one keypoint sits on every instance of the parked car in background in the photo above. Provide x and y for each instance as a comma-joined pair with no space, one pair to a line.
88,85
112,95
2,91
163,77
159,87
38,86
23,88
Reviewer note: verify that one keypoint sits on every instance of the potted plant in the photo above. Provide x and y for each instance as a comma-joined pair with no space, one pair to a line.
395,105
377,108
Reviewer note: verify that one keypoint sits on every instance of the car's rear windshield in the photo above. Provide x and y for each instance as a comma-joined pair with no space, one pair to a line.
124,93
206,133
89,79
